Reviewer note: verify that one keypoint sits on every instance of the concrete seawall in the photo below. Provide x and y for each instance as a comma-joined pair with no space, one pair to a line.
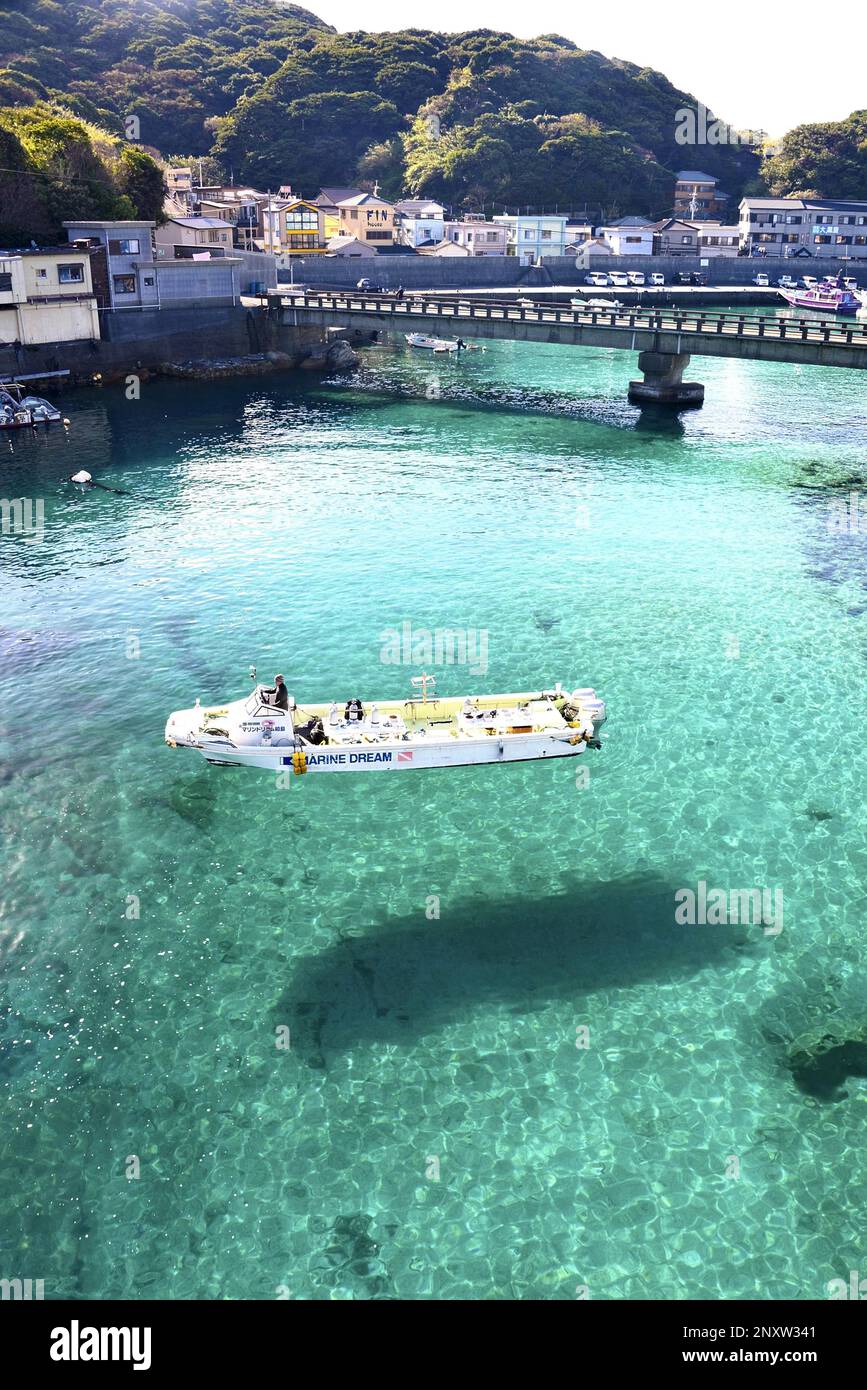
146,340
481,272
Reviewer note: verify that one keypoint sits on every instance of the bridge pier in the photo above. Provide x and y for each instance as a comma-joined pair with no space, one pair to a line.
663,382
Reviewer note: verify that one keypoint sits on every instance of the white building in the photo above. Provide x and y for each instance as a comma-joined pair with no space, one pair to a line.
629,236
418,220
715,239
531,238
827,228
478,237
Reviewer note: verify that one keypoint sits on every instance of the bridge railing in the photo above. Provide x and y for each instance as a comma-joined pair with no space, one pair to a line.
714,322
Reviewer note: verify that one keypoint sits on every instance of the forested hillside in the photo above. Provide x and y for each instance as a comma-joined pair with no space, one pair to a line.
277,96
828,158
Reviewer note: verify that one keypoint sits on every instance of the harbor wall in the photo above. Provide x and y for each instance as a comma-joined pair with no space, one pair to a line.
490,272
148,339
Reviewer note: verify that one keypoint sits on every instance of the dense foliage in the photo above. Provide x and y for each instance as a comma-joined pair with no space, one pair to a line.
54,166
277,96
827,159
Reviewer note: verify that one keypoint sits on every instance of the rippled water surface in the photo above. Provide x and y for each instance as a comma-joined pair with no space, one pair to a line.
433,1130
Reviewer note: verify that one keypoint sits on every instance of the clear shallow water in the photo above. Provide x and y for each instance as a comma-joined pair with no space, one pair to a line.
290,524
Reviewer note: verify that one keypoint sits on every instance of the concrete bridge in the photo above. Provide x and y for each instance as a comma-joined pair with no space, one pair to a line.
664,339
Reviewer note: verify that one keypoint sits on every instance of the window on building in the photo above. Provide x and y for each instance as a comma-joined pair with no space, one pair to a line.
302,220
149,281
124,284
822,240
213,236
5,280
42,273
70,274
124,246
546,236
794,219
528,236
843,240
304,242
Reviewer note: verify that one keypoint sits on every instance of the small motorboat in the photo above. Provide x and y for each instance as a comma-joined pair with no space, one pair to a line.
829,297
425,731
594,304
18,411
423,340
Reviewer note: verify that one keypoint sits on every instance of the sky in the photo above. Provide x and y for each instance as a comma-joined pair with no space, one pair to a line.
760,67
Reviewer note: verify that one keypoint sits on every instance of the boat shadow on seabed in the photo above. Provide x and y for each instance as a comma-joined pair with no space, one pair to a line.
409,977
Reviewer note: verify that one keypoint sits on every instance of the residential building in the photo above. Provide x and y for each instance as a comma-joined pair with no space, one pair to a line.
294,227
576,233
593,247
531,238
479,237
187,236
350,246
179,189
443,248
240,207
418,221
367,217
697,197
127,280
629,236
47,296
827,228
672,237
329,200
715,239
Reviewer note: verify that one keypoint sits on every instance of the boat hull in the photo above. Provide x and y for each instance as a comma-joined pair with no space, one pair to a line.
395,736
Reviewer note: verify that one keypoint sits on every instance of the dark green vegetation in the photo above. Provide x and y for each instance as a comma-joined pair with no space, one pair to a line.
54,166
270,94
828,159
277,96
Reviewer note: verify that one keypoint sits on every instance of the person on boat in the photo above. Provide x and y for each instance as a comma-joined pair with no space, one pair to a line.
279,695
461,345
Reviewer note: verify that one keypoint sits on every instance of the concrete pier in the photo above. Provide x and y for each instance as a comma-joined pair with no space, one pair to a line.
663,382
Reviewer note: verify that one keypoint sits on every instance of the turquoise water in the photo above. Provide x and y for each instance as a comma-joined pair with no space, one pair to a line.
433,1131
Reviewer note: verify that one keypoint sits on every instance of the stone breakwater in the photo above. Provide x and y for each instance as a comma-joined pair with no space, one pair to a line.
336,357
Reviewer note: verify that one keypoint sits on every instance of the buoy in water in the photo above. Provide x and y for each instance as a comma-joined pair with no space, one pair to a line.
81,477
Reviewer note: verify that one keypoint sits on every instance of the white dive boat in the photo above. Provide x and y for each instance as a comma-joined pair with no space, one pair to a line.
422,340
425,731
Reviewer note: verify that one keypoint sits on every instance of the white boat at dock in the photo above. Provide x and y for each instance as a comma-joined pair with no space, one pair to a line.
424,340
18,411
425,731
578,303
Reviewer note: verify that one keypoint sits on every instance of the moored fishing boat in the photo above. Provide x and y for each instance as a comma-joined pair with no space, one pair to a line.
425,731
829,297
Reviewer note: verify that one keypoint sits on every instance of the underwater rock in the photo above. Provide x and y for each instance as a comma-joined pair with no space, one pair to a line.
818,1028
544,623
815,813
